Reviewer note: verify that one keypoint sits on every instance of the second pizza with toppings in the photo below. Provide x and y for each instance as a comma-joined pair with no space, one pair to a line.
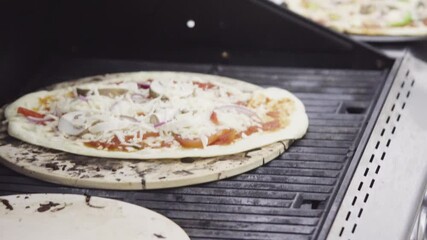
366,17
158,115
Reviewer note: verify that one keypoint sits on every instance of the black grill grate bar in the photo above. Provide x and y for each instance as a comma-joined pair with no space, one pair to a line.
328,116
325,102
323,143
329,129
222,200
205,189
267,74
230,235
289,178
273,186
246,227
240,217
325,96
312,157
297,172
330,90
332,151
286,179
320,159
329,136
329,123
316,109
305,165
22,180
272,193
292,71
4,170
338,85
263,210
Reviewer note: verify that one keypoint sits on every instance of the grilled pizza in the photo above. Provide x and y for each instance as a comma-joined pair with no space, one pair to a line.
154,115
366,17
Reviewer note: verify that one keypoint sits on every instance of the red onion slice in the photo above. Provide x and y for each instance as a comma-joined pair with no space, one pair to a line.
241,109
83,98
39,120
157,125
72,123
143,85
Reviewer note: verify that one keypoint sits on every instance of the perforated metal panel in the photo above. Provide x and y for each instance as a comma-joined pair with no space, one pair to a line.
388,186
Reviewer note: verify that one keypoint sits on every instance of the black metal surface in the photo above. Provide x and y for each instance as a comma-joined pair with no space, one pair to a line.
288,198
243,32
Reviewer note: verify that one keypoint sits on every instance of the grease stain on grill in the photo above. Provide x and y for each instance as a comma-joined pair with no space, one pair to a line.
87,201
6,204
47,206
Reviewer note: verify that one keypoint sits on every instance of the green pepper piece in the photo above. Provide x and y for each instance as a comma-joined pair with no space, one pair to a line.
405,21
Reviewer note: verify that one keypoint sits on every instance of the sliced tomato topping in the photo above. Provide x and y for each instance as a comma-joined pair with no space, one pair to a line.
204,86
150,134
113,145
189,143
116,145
271,125
214,118
274,114
250,130
29,113
226,137
196,142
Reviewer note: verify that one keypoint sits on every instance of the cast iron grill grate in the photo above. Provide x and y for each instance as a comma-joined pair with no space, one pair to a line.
285,199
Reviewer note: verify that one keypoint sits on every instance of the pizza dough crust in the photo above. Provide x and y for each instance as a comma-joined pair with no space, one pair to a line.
26,131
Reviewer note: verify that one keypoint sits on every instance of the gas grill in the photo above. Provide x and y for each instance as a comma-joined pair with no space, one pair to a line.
357,174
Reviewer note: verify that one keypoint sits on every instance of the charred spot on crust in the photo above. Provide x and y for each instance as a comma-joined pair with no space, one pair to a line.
87,201
47,206
6,204
159,236
54,166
